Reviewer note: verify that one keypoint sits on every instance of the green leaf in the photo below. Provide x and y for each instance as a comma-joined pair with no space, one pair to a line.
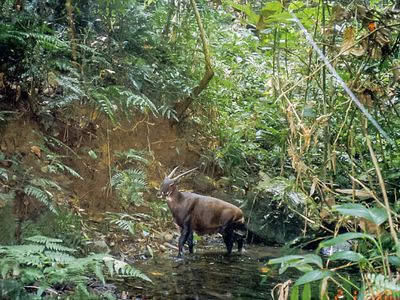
285,259
313,276
313,259
303,267
341,238
98,270
92,154
252,16
294,293
295,5
271,8
348,255
304,259
306,295
375,215
394,260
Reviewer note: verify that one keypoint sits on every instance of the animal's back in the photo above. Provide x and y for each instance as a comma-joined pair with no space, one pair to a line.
212,215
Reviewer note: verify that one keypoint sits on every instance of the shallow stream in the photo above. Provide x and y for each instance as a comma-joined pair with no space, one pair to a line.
209,274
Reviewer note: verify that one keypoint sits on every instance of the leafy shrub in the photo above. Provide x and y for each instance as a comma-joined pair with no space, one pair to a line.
47,266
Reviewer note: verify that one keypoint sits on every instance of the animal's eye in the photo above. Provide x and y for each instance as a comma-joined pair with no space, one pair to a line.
171,184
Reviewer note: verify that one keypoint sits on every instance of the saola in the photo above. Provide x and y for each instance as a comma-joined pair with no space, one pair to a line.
202,214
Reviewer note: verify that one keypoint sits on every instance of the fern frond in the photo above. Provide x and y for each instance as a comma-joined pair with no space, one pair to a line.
24,249
59,257
106,106
58,247
133,155
123,269
140,102
40,239
7,221
45,183
130,185
117,179
126,225
168,112
40,195
69,170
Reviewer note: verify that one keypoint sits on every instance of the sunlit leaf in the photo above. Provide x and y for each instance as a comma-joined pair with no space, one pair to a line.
285,259
341,238
348,255
313,276
313,259
295,5
271,8
306,295
375,215
253,17
294,293
394,260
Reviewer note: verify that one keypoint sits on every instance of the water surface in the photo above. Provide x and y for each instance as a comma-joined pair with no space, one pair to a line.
209,274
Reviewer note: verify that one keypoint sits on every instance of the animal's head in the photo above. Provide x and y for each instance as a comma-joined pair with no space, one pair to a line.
168,185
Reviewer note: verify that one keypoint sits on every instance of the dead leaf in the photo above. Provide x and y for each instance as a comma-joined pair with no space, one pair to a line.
339,13
362,194
156,273
368,226
36,150
314,184
348,46
2,84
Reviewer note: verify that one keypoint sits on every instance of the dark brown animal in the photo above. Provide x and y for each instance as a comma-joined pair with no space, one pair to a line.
202,214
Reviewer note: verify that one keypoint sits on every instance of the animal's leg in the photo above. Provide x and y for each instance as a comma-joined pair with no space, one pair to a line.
239,235
228,238
190,241
185,233
239,241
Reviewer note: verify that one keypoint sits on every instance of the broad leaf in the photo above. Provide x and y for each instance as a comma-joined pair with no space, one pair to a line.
294,293
313,259
375,215
313,276
253,17
341,238
306,295
394,260
285,259
295,5
348,255
271,8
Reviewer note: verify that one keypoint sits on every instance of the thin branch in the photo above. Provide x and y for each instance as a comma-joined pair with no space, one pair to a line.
340,80
383,188
208,74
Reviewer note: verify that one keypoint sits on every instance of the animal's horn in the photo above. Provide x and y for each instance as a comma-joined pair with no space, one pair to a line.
173,171
183,174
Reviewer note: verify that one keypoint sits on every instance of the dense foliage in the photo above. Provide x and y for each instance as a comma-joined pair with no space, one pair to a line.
272,108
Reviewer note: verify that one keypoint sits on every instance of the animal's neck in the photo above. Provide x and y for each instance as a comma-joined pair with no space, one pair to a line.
175,196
